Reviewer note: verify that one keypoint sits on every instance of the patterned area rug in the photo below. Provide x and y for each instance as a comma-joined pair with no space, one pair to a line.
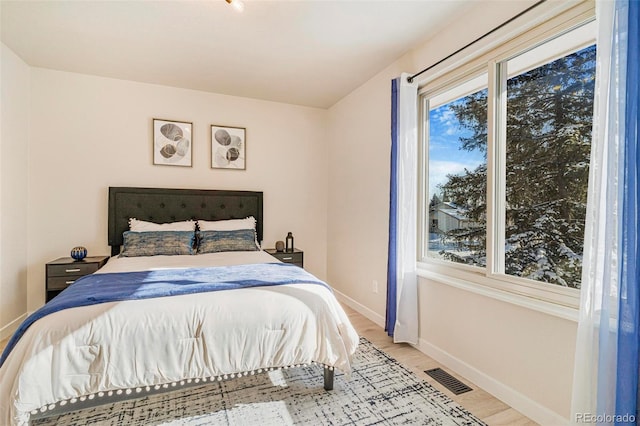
381,392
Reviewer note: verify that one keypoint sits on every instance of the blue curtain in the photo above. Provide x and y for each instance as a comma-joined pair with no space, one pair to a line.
629,307
392,275
402,280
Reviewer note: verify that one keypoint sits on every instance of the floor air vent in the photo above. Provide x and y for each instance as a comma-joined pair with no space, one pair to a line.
448,381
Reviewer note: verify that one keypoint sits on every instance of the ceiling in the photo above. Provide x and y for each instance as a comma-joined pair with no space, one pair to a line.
304,52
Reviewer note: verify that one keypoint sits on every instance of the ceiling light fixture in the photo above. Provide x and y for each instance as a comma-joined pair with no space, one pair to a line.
237,4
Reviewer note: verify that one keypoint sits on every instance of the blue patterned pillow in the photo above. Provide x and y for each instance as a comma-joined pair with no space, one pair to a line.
217,241
156,243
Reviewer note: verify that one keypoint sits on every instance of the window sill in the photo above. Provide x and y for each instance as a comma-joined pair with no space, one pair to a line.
484,286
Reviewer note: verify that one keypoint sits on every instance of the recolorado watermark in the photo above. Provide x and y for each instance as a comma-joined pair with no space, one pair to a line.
605,418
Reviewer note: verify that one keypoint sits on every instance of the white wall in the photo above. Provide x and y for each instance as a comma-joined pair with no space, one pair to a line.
522,356
90,133
358,209
14,136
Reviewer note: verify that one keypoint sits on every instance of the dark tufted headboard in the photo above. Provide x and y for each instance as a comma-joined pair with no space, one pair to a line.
162,205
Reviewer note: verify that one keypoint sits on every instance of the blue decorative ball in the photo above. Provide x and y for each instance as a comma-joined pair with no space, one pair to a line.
78,253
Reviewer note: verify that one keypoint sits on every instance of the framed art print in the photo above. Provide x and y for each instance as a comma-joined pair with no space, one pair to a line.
172,142
228,147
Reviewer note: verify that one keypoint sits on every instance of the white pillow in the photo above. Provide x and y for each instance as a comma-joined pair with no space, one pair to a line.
227,225
136,225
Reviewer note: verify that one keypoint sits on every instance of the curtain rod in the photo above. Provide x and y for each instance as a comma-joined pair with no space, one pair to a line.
410,78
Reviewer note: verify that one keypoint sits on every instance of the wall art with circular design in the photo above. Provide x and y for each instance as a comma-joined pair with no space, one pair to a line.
228,147
172,142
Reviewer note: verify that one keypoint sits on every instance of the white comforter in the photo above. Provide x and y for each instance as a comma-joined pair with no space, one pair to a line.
125,345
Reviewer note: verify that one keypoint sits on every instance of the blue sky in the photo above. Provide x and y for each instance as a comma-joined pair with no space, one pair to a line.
445,153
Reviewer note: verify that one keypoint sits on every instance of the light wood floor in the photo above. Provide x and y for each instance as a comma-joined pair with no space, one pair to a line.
480,403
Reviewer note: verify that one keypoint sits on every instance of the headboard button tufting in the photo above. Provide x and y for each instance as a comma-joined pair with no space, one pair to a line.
163,205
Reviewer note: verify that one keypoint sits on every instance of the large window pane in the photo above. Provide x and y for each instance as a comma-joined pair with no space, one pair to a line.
457,173
549,120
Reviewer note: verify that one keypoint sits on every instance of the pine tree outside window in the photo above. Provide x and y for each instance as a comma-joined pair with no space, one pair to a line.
506,163
548,141
457,165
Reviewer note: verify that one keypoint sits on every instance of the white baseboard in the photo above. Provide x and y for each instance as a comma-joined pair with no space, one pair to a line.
9,329
370,314
525,405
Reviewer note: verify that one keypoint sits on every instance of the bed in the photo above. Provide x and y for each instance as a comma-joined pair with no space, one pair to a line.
262,315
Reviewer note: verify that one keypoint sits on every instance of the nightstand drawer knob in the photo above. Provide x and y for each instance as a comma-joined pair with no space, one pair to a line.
69,282
287,258
72,270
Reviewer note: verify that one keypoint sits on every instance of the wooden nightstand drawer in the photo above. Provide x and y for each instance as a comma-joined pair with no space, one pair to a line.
289,257
296,257
60,283
76,268
63,272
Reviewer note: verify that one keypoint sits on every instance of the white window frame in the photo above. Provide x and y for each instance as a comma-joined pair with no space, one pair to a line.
545,24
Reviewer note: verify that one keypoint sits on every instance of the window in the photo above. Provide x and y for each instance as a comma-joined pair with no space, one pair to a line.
457,165
505,167
548,140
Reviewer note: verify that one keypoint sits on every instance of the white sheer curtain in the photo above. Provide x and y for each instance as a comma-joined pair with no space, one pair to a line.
594,387
405,328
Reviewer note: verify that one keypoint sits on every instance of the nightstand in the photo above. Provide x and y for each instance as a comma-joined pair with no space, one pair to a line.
296,256
61,273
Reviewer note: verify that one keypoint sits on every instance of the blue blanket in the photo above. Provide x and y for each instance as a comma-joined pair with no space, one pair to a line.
114,287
